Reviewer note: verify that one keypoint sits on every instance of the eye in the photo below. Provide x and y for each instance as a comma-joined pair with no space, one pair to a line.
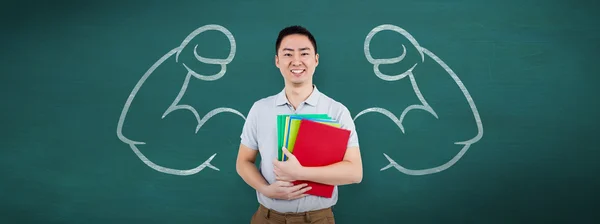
305,53
287,54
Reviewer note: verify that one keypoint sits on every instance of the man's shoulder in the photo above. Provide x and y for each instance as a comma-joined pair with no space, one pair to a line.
266,102
333,103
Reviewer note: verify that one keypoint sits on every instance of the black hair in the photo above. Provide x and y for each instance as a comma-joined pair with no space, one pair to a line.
294,30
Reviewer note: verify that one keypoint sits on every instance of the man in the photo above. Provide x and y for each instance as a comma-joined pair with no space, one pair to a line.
279,200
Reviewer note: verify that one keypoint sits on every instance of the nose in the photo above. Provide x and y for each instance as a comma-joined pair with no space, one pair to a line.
296,61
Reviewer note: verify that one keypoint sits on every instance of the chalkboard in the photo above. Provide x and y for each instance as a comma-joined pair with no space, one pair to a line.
467,111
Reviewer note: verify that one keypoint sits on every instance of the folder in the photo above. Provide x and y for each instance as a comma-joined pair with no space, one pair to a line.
319,144
291,130
281,129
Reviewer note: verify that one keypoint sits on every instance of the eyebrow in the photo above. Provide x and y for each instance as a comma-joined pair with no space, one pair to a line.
301,49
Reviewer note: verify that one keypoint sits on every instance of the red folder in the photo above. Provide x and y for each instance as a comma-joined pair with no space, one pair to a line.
319,144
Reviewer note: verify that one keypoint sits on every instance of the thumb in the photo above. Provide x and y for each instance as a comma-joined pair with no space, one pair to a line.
287,152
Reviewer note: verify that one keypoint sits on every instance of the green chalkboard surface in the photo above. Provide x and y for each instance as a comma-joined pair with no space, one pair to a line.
467,111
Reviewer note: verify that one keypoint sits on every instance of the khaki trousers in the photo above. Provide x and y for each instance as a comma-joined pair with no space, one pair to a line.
268,216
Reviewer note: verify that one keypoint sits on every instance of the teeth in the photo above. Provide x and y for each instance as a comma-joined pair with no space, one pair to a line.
297,71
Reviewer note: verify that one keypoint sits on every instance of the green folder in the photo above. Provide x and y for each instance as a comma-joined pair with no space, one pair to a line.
281,129
293,124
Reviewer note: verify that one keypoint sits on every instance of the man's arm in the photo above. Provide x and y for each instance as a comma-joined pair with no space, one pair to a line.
246,168
284,190
347,171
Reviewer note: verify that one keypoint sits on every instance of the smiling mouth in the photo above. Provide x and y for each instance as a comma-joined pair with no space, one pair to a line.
297,71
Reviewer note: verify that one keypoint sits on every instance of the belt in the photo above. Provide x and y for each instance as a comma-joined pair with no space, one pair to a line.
272,214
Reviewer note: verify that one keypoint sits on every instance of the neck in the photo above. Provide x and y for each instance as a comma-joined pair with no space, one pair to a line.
297,94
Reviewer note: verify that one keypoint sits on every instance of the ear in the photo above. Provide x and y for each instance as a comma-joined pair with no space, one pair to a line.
316,60
276,61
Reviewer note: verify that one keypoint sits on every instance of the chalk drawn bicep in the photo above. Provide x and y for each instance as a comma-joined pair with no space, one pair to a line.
464,95
188,73
423,106
191,73
135,92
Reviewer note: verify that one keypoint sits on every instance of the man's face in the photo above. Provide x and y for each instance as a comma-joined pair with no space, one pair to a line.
296,59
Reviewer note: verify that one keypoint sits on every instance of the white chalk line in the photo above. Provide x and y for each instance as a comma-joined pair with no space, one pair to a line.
175,105
424,105
376,62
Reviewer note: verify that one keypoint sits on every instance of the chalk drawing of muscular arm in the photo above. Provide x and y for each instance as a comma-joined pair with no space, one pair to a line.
423,103
175,105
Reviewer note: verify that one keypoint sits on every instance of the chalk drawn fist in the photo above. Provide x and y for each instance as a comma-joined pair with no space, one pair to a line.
432,70
166,74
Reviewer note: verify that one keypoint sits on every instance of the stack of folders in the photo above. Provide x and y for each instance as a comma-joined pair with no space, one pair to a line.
315,140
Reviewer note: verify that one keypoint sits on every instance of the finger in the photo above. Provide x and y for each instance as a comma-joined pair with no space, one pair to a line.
304,190
299,193
298,187
287,152
298,196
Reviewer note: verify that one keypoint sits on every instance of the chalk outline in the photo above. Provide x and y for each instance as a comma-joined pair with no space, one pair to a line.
175,105
424,105
376,62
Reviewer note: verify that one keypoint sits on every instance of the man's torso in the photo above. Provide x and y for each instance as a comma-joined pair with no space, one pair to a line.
266,124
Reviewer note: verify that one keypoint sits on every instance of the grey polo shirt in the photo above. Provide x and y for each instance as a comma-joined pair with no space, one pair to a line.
260,133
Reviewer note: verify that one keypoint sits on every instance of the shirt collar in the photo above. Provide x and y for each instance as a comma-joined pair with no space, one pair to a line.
312,100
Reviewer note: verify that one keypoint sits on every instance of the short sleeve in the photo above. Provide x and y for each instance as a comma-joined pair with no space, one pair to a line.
249,130
347,122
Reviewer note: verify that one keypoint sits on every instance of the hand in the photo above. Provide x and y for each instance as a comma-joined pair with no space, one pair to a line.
286,190
289,170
